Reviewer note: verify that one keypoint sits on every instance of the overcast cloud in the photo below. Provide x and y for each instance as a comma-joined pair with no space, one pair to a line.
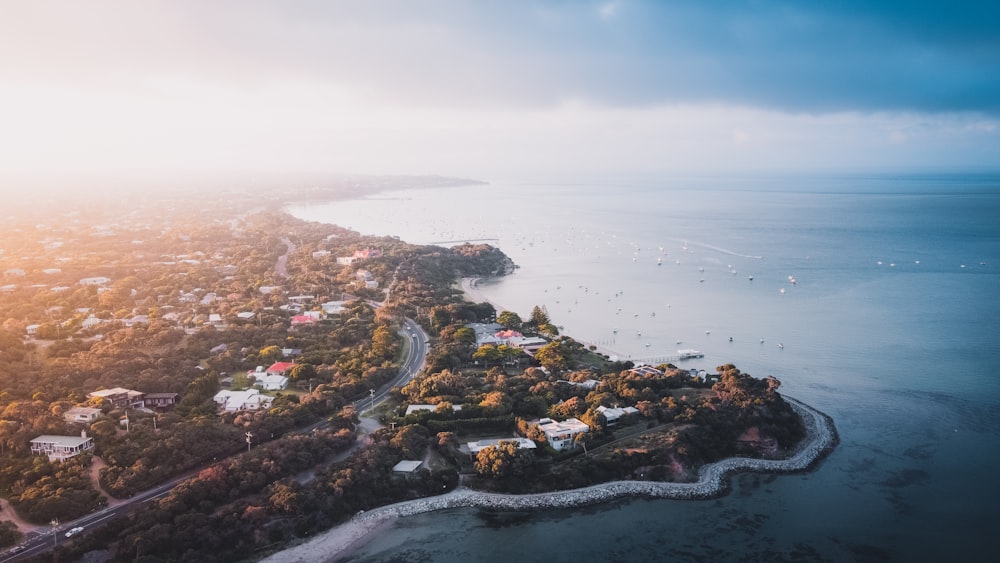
483,87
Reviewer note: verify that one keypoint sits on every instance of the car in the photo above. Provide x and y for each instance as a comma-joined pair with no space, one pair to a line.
15,549
75,530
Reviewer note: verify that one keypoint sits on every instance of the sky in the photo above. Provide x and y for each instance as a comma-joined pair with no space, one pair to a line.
497,88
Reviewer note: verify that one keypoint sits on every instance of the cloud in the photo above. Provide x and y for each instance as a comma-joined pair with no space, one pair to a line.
914,56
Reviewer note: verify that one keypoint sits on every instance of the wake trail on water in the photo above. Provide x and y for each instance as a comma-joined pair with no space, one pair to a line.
718,249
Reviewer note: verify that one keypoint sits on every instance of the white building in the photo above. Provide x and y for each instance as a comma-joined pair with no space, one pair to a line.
560,435
249,400
612,416
415,408
272,382
95,281
59,448
83,415
522,443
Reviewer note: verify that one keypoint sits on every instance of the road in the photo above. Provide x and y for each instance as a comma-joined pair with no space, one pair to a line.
40,542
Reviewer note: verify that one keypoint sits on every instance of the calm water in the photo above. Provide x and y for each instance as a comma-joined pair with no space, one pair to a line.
900,354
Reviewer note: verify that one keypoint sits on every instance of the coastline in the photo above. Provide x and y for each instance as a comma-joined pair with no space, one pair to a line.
713,481
470,286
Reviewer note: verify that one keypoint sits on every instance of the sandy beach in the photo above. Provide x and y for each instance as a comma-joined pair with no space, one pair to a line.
713,481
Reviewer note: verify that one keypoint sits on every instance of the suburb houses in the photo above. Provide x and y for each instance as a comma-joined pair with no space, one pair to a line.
120,397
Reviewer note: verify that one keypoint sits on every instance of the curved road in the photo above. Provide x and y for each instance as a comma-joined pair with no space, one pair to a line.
41,541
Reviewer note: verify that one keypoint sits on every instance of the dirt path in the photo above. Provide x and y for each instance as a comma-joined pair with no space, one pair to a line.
7,513
95,472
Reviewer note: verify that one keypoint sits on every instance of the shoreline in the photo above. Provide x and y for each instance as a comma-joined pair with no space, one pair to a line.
713,482
470,287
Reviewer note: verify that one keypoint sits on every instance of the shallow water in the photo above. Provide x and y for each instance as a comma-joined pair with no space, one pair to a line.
900,356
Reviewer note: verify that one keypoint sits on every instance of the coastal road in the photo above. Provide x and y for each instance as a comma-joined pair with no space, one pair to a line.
416,356
40,542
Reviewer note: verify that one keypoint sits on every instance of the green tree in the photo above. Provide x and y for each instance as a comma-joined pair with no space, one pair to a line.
487,353
552,357
503,460
510,319
540,316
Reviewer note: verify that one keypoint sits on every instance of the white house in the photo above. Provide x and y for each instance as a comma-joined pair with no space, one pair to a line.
612,416
415,408
233,401
84,415
100,280
272,382
59,448
522,443
560,435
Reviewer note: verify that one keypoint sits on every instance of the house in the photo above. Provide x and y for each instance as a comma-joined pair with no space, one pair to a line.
60,448
101,280
31,330
529,344
91,322
83,415
291,352
613,416
136,320
272,382
359,256
280,368
119,397
245,315
561,435
645,371
248,400
160,400
588,384
416,408
269,289
522,443
407,468
333,307
215,319
321,254
300,320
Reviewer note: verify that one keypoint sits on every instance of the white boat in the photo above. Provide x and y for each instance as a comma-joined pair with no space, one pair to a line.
688,353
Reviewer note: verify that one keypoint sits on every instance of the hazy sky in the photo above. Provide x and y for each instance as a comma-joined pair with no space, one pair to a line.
491,88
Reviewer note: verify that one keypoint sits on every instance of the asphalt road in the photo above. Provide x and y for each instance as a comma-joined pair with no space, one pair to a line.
40,542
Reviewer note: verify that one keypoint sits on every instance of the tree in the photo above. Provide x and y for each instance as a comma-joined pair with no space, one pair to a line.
302,372
510,319
552,357
505,459
487,353
540,316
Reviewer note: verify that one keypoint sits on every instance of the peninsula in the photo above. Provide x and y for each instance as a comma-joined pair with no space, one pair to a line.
202,370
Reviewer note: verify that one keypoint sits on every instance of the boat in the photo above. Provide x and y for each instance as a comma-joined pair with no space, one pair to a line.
687,354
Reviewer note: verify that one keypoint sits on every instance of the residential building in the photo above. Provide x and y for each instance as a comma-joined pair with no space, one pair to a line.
522,443
407,468
416,408
613,415
83,415
160,400
95,281
119,397
248,400
561,435
272,382
60,448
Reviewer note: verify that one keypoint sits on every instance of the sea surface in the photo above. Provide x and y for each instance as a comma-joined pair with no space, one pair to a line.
890,327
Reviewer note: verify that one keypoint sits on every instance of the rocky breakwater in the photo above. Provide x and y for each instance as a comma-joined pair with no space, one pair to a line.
713,481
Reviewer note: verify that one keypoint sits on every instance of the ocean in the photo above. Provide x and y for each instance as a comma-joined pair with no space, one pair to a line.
873,298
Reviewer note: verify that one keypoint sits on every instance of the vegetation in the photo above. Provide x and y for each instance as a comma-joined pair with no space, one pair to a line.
196,298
